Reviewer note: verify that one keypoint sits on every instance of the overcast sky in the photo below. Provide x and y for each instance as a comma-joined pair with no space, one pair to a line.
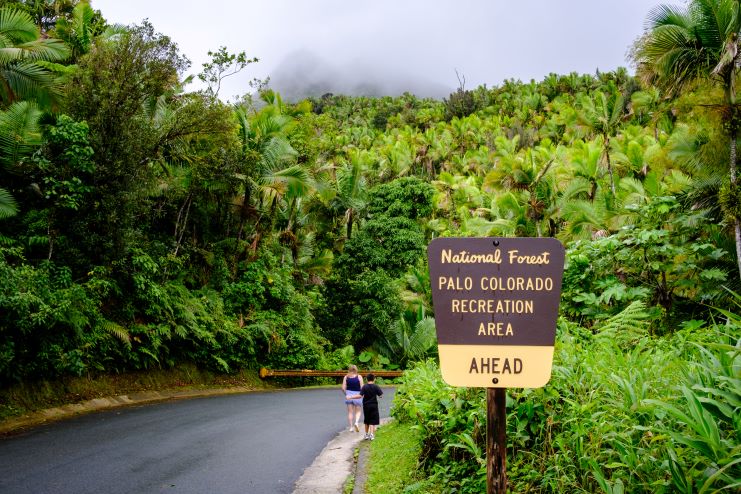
395,45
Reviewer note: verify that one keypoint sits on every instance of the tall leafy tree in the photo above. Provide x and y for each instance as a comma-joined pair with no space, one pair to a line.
112,91
698,42
363,301
222,65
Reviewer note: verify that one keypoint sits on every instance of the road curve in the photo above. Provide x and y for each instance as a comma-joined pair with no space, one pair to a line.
249,443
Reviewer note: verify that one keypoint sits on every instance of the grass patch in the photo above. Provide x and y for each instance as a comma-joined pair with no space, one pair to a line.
350,483
393,459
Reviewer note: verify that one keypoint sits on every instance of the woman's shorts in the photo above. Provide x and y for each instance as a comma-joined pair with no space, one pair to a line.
357,401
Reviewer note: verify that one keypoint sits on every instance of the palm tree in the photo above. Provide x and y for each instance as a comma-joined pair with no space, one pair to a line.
584,219
698,42
352,188
410,339
77,31
647,107
266,154
584,170
527,171
23,58
602,114
635,150
417,292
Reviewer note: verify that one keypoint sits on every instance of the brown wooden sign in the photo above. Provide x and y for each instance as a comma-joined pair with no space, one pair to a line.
496,305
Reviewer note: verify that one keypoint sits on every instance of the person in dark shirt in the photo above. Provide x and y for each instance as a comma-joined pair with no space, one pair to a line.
370,393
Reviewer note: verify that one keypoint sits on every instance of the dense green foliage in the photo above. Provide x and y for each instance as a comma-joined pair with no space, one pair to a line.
143,225
623,412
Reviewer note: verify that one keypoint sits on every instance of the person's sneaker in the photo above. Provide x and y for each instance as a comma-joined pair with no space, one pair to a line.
372,437
351,429
367,436
357,429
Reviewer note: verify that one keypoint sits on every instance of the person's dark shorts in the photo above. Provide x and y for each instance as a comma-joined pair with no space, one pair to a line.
370,415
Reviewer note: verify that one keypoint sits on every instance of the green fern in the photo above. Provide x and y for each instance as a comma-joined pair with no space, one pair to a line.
221,363
628,325
38,240
118,331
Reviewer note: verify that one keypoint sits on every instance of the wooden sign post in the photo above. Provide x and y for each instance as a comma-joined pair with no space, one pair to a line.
496,305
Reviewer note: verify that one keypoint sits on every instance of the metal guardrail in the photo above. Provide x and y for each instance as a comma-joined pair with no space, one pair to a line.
266,373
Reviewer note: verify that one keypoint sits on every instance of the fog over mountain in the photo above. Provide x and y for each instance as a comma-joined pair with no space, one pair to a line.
303,74
310,47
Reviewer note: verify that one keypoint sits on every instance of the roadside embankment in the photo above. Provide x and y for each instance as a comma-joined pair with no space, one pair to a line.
30,404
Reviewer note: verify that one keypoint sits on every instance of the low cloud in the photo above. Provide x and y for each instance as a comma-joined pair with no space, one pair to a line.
302,74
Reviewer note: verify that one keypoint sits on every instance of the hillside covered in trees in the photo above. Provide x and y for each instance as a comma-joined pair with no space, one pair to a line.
143,225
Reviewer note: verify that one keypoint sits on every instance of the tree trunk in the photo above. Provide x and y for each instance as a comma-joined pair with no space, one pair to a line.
180,229
609,164
737,222
50,235
731,97
349,223
243,211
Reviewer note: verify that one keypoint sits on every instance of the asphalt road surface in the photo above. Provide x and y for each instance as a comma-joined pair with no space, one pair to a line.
250,443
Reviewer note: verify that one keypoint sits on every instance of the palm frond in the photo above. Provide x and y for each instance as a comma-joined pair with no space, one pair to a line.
8,206
19,132
113,33
275,151
77,30
17,26
667,15
578,187
423,338
582,219
51,50
29,80
293,181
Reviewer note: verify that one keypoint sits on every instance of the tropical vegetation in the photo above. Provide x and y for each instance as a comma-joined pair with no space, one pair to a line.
145,225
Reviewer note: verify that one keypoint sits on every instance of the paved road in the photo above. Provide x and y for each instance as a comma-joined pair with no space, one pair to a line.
251,443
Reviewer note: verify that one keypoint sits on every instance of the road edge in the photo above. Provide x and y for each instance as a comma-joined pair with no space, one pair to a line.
330,470
335,464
